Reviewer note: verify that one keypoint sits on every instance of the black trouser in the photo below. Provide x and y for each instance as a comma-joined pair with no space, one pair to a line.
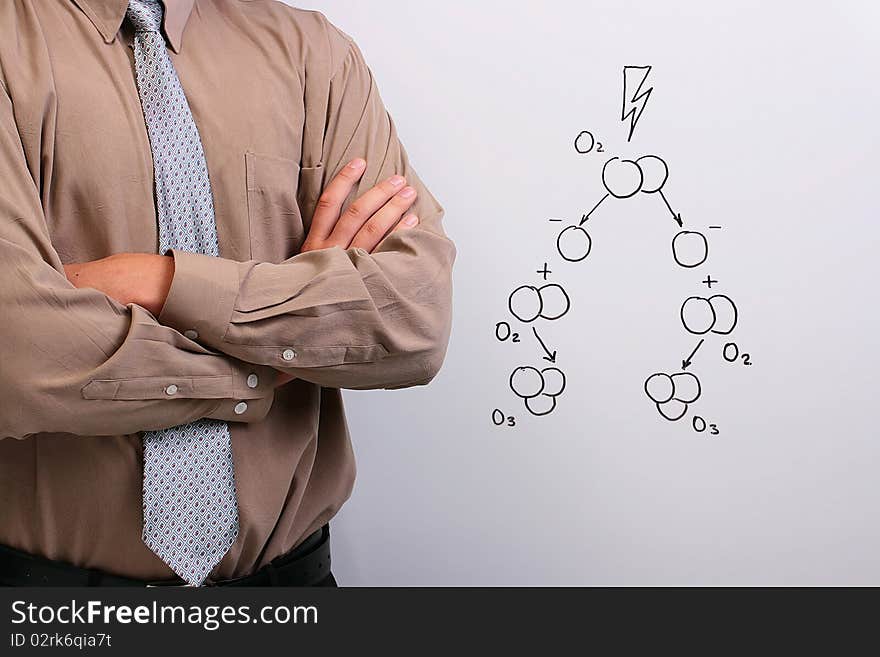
327,581
308,564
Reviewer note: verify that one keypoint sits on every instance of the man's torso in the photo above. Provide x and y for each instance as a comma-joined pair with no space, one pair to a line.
256,75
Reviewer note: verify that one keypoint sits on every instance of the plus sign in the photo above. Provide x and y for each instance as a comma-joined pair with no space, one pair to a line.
545,272
709,282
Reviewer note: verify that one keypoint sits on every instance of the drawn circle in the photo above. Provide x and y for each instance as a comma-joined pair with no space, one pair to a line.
554,381
585,143
622,178
655,173
554,301
726,315
526,382
697,315
526,303
690,249
540,406
673,410
660,388
687,387
574,244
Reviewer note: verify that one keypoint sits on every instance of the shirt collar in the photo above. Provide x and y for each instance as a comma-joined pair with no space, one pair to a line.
107,16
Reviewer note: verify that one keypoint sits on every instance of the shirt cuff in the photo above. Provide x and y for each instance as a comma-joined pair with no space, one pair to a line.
253,392
201,297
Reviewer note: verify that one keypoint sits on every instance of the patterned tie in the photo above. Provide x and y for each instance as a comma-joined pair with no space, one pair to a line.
190,508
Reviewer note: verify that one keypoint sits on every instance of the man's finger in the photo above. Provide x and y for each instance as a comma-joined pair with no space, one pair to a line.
408,222
330,202
375,229
364,207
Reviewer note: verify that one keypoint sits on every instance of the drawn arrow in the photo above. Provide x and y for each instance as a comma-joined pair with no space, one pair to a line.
596,207
675,215
551,355
687,363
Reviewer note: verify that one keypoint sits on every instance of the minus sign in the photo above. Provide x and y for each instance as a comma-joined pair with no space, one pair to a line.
714,227
559,220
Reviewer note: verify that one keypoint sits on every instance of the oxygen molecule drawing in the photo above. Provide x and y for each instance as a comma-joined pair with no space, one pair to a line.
675,391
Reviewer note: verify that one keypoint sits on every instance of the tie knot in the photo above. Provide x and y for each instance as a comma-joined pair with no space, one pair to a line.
145,15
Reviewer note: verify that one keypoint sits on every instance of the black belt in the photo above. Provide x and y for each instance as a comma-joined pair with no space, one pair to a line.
305,565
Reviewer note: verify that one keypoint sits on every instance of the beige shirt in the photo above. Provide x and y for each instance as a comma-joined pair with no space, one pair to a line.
283,100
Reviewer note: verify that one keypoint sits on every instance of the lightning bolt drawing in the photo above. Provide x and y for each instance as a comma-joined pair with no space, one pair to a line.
634,102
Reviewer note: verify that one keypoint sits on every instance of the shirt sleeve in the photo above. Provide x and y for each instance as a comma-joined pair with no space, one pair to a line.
338,318
76,361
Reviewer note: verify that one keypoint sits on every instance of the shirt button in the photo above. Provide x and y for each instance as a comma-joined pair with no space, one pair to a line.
252,381
288,354
170,390
240,408
191,334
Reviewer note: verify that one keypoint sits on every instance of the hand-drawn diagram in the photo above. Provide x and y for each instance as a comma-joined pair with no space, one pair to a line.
624,179
528,303
716,314
574,244
586,143
690,249
538,388
634,98
673,393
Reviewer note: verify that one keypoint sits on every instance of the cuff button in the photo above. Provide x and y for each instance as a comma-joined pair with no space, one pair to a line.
253,381
240,408
191,334
288,354
171,389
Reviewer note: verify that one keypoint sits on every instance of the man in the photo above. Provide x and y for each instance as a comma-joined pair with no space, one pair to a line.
208,226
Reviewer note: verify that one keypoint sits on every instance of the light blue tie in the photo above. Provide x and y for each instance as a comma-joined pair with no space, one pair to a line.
190,507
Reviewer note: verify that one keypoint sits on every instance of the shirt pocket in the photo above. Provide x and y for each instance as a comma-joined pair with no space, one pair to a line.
311,184
274,217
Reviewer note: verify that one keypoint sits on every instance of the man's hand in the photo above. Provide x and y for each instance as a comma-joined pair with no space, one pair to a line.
366,222
145,279
140,278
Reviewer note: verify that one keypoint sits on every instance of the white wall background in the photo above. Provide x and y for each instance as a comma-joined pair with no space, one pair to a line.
767,113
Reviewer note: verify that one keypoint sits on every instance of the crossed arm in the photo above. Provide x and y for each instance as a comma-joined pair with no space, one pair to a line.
92,348
145,279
